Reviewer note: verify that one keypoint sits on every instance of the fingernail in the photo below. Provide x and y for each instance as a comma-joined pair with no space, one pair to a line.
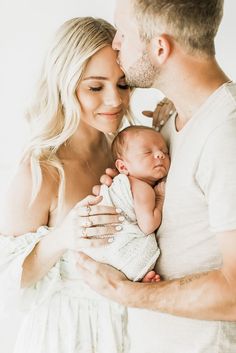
118,227
118,210
162,122
121,218
110,240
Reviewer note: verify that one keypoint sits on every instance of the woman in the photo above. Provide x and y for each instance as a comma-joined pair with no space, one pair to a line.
82,98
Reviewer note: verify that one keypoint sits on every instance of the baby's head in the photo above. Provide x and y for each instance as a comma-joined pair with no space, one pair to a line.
141,152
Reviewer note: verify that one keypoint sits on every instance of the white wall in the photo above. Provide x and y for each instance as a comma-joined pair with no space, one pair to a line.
26,27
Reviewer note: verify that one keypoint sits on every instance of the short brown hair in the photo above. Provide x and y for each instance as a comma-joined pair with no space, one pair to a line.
192,23
120,142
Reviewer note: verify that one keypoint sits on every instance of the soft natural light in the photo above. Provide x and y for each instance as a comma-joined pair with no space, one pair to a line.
26,27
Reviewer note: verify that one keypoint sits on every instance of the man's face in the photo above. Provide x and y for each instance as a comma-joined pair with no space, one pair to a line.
133,55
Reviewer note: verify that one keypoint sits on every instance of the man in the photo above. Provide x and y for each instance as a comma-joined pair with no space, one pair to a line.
170,45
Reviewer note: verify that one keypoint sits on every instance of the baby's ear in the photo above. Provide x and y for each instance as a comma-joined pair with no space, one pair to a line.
120,165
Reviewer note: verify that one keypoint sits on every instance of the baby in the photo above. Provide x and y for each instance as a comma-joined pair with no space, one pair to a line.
141,157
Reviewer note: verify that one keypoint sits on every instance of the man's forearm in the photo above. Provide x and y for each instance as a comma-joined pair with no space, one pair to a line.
206,296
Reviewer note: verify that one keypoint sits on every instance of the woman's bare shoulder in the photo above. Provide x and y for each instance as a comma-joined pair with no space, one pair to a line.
19,214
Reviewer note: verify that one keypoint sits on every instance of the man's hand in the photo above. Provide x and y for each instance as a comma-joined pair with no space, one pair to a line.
102,278
163,111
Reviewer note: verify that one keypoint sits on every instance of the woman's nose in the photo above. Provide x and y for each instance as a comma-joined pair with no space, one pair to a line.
113,98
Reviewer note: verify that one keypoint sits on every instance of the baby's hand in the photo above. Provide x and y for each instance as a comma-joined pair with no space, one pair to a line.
105,179
151,277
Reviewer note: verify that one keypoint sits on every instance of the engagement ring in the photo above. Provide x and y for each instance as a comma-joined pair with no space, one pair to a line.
88,208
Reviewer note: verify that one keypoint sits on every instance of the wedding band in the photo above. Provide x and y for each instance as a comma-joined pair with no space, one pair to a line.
88,223
88,209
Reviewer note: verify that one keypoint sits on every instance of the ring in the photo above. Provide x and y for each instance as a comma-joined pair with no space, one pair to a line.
84,233
165,100
88,209
88,223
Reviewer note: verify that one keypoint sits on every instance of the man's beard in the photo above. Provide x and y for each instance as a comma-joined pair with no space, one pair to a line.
142,74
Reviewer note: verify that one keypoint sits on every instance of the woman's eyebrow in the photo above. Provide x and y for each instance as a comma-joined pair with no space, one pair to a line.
100,78
95,78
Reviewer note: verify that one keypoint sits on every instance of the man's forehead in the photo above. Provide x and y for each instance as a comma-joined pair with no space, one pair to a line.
122,7
123,16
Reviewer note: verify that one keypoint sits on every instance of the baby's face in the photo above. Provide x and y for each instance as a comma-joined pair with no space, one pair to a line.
146,156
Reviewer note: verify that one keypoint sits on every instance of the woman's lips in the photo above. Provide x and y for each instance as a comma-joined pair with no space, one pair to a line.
111,114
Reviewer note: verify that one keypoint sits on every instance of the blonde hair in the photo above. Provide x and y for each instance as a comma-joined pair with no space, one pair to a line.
55,113
192,23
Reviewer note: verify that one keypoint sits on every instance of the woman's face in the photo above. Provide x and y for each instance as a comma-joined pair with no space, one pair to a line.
103,93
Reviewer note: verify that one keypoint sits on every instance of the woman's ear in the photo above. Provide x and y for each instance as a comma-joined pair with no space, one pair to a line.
120,165
160,48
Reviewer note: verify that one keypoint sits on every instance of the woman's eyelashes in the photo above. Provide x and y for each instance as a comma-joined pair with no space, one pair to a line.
95,89
123,86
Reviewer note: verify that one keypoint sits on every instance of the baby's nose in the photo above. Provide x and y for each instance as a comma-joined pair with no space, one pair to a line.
159,154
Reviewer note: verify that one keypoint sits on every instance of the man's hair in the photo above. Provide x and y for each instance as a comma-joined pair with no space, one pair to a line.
192,23
120,142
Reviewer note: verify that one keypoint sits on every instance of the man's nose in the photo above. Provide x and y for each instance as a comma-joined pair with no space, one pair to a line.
116,43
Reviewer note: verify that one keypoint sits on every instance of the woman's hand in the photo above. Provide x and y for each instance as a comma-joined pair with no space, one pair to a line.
89,225
164,109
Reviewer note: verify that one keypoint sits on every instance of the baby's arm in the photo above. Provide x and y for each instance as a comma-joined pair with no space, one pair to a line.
147,204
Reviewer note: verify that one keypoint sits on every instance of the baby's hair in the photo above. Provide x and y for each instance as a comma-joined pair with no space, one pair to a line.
120,142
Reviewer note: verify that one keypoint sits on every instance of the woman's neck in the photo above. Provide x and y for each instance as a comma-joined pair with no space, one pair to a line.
85,142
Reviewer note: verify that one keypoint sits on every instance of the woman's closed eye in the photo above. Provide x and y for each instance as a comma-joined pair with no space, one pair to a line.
95,89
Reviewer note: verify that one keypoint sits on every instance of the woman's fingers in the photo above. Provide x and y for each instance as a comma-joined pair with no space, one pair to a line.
99,232
96,220
87,211
88,201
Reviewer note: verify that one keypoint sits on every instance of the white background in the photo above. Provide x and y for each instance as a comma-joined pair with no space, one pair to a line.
26,28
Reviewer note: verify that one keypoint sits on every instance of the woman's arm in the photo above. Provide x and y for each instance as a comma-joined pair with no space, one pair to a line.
19,216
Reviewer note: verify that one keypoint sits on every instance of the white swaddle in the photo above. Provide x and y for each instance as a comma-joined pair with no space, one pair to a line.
132,252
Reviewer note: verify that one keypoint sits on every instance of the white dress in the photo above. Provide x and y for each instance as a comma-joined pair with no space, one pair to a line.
62,315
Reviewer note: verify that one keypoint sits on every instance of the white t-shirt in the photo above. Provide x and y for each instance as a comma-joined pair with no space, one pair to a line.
200,201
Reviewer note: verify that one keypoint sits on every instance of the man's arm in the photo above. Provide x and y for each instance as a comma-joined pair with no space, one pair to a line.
206,296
